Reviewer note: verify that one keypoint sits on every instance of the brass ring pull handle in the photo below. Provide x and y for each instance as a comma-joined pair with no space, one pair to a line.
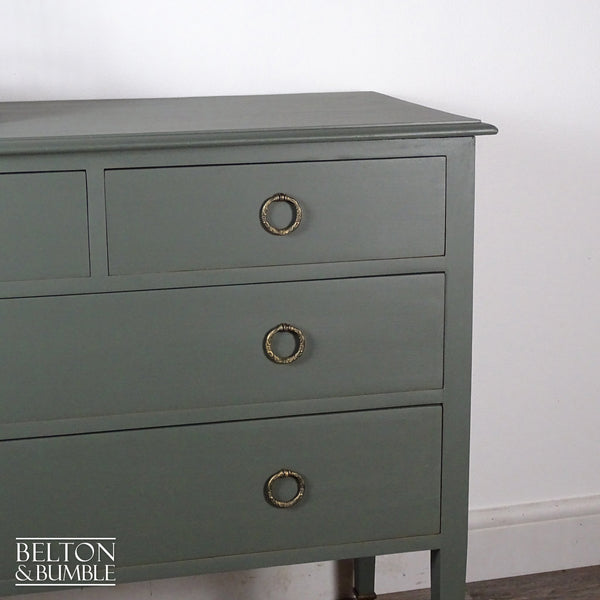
280,475
296,218
285,328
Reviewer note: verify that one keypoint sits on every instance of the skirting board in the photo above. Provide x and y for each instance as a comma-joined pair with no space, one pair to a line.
512,540
534,538
503,542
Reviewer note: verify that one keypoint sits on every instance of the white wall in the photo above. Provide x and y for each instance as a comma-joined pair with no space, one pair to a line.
531,68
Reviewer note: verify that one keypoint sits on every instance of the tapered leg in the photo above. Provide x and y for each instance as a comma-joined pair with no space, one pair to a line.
448,569
364,578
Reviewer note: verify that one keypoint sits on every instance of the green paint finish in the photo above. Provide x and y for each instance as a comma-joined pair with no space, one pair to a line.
141,332
183,493
190,218
43,226
166,350
85,125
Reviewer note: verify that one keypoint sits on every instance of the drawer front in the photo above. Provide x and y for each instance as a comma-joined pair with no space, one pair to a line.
118,353
181,493
190,218
43,226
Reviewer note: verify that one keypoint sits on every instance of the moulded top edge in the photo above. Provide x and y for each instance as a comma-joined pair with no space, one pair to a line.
199,140
45,126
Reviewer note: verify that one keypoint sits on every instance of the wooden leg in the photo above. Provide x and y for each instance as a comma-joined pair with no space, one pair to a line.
364,578
448,575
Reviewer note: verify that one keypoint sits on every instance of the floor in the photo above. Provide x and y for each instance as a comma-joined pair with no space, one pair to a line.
574,584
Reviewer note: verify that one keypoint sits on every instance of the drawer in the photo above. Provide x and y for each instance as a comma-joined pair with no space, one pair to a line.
118,353
180,493
43,225
191,218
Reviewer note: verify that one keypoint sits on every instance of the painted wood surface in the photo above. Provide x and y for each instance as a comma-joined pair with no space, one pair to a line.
43,225
176,494
154,360
167,350
194,218
175,122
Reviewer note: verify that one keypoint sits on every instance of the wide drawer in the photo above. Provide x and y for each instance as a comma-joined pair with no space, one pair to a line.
130,352
190,218
179,493
43,225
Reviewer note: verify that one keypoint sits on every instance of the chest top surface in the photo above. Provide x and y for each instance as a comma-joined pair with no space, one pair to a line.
101,124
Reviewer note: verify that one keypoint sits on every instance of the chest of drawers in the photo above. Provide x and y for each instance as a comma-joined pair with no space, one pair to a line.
236,331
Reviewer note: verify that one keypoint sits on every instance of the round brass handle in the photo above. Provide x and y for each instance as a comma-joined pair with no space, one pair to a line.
280,475
298,337
296,218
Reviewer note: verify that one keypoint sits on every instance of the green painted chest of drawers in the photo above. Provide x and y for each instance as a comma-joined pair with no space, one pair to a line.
236,331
